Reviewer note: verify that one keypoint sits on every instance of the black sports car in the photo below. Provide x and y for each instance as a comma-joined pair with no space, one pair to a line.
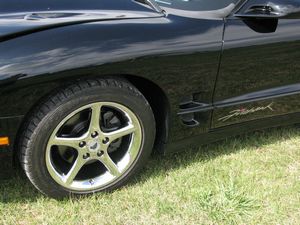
90,87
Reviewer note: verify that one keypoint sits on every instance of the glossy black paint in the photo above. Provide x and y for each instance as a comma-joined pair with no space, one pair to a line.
43,61
192,71
22,18
269,9
15,6
258,69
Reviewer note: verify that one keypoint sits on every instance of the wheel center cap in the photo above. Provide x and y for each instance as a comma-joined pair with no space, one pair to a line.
93,146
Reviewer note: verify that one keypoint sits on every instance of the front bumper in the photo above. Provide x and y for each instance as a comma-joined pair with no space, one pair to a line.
9,127
6,165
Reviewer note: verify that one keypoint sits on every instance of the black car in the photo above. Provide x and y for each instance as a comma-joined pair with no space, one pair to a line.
90,87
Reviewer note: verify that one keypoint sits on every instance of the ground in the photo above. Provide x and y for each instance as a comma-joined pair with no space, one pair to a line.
251,179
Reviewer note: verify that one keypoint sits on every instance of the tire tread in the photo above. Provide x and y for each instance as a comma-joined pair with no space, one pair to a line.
49,104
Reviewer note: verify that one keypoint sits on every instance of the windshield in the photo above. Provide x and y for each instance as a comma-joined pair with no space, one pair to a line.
150,3
198,9
196,5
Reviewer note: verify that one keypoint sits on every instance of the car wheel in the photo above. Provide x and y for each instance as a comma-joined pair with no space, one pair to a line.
88,137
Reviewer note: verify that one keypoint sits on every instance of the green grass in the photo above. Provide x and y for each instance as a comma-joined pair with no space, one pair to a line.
251,179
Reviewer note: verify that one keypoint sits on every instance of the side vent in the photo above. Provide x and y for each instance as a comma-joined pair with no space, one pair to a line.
193,113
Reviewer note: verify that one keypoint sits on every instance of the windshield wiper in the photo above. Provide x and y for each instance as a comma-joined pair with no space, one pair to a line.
152,4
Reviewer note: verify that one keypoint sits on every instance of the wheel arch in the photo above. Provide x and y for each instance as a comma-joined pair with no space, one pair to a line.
160,106
148,88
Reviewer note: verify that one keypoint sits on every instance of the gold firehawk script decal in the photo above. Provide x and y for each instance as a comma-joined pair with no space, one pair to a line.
245,111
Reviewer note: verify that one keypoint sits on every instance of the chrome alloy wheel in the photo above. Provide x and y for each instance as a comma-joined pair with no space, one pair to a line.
85,153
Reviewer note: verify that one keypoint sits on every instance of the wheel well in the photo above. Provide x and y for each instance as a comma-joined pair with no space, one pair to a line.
159,104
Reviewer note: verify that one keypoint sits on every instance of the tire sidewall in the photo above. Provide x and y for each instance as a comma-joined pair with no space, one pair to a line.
39,139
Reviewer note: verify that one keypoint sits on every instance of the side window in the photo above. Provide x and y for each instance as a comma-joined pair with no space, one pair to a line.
196,5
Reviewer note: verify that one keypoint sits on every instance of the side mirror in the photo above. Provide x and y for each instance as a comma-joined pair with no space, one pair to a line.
269,9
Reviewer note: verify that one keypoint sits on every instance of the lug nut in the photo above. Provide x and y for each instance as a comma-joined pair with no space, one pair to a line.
82,144
106,140
86,156
94,134
99,154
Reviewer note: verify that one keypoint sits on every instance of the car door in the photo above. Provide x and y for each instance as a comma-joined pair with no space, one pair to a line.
198,26
259,75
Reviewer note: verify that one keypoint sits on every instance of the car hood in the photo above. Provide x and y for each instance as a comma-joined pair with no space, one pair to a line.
19,17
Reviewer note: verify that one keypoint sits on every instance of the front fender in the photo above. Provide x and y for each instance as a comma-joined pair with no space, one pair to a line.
180,55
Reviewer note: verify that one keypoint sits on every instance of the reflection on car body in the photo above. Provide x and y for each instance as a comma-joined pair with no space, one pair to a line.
90,89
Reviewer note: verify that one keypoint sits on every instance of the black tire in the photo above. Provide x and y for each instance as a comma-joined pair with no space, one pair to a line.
46,117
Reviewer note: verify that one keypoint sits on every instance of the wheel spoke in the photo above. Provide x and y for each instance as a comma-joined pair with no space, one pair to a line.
78,164
95,118
110,165
69,142
93,146
129,129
